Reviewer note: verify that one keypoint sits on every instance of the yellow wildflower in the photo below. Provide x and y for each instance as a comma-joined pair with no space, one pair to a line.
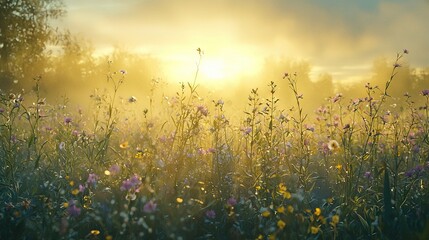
281,224
314,230
65,205
107,172
335,219
281,209
179,200
87,202
317,212
290,209
108,237
124,145
266,213
75,191
283,191
282,188
287,195
339,167
139,155
71,183
95,232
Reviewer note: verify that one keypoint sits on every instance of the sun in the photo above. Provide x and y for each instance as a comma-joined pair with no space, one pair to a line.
214,70
221,70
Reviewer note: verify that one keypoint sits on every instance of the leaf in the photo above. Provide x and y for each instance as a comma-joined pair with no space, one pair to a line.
363,222
31,140
36,164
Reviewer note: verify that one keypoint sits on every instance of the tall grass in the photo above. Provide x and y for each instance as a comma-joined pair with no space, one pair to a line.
180,168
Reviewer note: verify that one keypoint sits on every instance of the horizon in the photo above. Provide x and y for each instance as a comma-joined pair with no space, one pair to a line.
341,40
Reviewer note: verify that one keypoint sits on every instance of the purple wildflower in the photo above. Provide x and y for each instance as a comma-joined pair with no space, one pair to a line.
425,92
149,207
246,130
409,173
309,127
211,150
1,110
73,210
203,110
92,178
135,180
126,185
415,172
419,169
231,202
324,148
163,139
67,120
211,214
122,71
81,188
131,183
367,175
337,97
201,151
114,169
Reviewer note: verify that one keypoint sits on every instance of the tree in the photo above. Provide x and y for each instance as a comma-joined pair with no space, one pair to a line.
25,33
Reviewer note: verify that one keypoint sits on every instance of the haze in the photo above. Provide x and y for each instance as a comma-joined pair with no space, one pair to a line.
249,43
342,38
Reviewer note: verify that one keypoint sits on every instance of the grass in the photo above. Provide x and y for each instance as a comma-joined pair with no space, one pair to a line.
182,169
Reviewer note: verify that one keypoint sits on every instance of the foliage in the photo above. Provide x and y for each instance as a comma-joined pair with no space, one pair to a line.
25,32
180,168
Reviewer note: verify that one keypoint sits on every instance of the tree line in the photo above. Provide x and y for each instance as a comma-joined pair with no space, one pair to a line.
30,46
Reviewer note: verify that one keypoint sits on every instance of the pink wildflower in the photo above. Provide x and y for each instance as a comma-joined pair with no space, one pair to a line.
150,207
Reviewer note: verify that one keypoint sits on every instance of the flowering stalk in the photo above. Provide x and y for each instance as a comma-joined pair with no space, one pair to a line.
303,151
374,108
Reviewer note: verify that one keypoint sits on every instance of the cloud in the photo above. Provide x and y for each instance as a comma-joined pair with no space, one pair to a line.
327,33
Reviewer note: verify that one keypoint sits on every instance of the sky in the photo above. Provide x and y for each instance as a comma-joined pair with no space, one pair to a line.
341,38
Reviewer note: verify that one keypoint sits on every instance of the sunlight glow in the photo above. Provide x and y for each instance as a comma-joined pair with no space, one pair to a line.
214,71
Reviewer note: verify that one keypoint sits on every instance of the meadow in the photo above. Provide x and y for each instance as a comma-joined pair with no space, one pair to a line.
179,167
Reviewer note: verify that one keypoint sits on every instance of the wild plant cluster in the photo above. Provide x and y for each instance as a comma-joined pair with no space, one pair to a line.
180,168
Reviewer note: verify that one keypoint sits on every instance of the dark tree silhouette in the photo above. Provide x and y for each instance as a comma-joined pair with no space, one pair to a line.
25,32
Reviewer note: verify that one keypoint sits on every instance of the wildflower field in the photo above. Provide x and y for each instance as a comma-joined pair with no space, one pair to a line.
180,167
